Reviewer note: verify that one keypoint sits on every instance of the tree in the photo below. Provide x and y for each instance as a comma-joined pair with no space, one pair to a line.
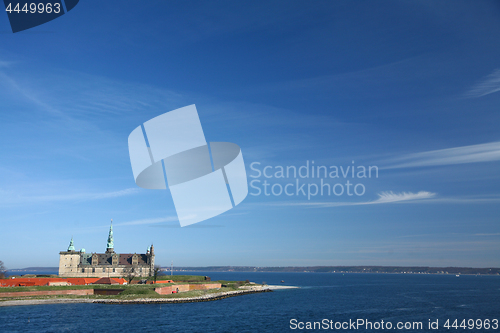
3,271
156,272
129,274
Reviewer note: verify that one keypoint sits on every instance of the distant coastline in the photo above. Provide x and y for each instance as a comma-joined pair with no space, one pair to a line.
306,269
348,269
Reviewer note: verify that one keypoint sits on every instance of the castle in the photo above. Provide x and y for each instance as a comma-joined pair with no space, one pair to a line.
74,263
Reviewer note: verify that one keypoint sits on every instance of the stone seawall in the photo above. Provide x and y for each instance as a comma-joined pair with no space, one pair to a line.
204,298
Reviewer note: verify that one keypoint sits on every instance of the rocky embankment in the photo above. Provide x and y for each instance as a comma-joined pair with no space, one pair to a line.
203,298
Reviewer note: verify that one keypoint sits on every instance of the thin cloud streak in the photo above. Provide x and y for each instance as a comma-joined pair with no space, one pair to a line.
5,64
383,198
485,152
495,234
148,221
11,198
467,200
489,85
30,96
390,197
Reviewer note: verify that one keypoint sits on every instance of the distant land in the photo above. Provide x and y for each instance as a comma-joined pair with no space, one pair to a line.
314,269
347,269
34,269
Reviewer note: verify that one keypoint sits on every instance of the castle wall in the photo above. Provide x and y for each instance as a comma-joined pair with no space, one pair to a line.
180,287
204,286
68,263
96,271
99,271
186,287
164,290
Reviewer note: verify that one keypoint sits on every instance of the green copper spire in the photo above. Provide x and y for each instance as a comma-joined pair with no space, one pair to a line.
111,245
71,247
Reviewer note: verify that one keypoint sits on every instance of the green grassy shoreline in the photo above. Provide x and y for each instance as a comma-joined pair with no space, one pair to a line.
130,291
188,297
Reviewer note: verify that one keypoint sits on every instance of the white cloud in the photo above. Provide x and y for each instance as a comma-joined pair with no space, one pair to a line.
164,220
468,200
383,198
489,85
10,198
5,64
389,197
149,221
467,154
494,234
121,193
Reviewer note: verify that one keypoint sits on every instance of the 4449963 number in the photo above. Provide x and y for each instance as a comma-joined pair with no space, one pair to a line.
35,8
472,324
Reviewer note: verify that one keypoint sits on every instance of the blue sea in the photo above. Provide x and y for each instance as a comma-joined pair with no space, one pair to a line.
334,301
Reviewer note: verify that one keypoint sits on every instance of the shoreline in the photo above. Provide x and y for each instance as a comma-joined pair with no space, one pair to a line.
203,298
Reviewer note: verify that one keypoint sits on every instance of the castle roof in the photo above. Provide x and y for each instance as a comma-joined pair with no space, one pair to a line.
71,247
111,243
106,280
107,258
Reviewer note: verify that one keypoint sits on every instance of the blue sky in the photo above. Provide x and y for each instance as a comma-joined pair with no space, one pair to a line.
410,87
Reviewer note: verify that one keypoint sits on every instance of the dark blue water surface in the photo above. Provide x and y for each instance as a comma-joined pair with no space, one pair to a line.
337,297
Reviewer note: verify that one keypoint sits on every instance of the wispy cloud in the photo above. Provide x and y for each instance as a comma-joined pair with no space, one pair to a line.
10,198
388,197
489,85
121,193
74,99
5,64
383,198
494,234
468,200
391,197
467,154
148,221
162,222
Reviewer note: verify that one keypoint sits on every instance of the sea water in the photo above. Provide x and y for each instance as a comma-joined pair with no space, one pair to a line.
333,298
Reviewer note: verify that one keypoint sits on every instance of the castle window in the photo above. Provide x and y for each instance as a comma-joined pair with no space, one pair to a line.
93,270
104,269
113,270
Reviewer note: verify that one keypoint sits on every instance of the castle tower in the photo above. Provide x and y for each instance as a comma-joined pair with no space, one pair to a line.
110,246
69,261
71,247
